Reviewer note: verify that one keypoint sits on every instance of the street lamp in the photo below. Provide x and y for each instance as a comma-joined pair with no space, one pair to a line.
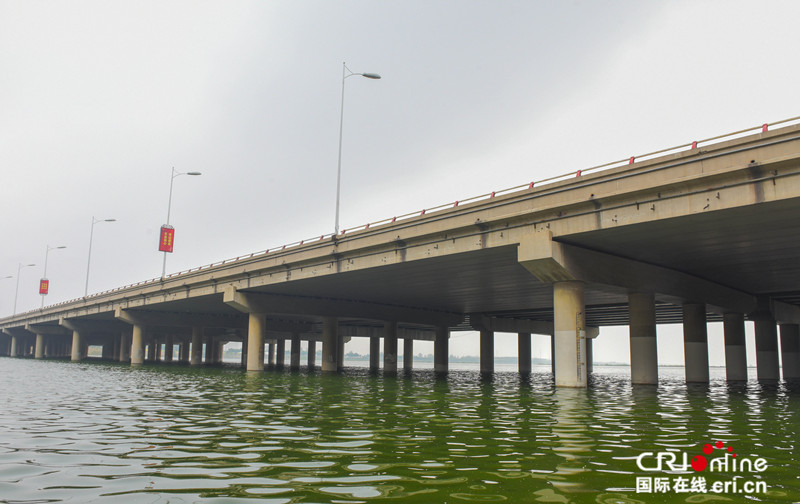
345,75
89,260
167,226
16,295
44,284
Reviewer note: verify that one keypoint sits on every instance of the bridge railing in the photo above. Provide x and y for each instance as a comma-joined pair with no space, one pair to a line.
537,183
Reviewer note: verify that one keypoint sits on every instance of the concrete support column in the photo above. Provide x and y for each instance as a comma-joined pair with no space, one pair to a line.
280,356
77,346
294,358
256,327
374,353
553,355
695,342
137,345
589,356
124,348
330,344
767,347
487,352
340,353
570,334
735,348
643,339
271,353
14,349
183,352
408,354
107,353
39,353
219,352
197,346
312,354
169,348
524,353
790,351
209,356
390,347
151,349
441,349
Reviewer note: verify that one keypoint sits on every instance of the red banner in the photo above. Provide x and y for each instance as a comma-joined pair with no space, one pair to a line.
167,239
44,286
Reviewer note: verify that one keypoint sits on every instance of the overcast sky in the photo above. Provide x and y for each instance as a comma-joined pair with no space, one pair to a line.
100,99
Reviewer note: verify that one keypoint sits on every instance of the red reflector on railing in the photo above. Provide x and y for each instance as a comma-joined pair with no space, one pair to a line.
578,173
694,145
455,204
394,219
492,195
530,186
632,159
422,213
765,127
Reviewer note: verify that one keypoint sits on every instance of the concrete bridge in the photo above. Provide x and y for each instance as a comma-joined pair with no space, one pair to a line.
707,233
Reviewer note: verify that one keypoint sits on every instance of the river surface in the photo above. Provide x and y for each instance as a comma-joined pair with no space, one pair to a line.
96,432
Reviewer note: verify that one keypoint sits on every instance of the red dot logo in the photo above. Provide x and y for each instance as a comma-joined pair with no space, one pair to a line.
707,449
699,463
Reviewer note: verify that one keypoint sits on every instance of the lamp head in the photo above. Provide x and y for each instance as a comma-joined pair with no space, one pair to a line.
371,75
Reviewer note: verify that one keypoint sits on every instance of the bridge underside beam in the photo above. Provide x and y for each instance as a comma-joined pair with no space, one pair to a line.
326,307
550,261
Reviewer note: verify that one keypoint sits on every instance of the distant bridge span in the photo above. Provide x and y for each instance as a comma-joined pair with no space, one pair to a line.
708,233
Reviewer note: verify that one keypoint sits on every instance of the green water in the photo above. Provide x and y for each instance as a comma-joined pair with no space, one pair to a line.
88,432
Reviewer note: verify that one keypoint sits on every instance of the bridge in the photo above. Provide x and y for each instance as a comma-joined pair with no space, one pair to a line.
705,232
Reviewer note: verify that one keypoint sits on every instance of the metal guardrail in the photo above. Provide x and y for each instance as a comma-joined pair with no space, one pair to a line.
538,183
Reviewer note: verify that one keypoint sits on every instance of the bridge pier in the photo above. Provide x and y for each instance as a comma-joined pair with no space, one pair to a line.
280,355
169,349
340,341
374,353
695,342
735,347
77,346
209,353
643,338
152,347
524,353
271,353
390,347
487,351
197,347
408,354
137,345
39,352
790,351
312,354
330,344
441,350
570,334
294,360
124,347
766,347
183,352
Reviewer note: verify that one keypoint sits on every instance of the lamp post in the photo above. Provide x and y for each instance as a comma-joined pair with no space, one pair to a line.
89,260
16,294
345,75
169,210
44,285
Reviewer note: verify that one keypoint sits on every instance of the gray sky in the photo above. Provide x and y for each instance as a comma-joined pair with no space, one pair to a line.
100,99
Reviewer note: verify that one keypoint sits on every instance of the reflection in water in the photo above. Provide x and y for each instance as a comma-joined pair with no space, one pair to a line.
102,432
